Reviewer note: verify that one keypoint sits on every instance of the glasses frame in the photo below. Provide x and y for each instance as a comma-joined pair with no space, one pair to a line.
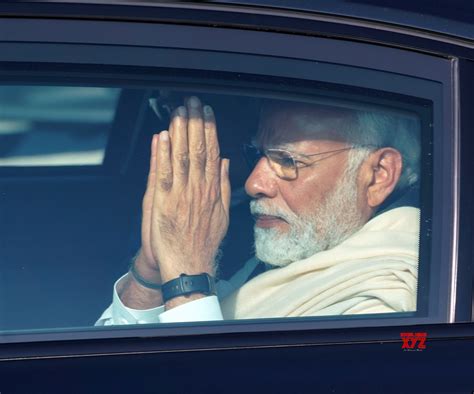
252,156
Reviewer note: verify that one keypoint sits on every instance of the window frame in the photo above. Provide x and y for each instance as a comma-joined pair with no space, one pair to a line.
240,51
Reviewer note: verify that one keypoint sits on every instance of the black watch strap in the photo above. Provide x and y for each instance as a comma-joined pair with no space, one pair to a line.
188,284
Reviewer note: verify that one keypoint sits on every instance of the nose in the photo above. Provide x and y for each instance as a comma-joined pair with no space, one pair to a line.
262,181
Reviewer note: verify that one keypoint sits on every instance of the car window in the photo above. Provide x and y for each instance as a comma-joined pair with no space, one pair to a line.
328,190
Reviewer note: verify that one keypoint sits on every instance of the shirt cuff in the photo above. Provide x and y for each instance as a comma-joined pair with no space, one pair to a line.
122,314
202,309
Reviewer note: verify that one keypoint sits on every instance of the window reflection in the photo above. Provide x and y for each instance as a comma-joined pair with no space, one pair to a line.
54,125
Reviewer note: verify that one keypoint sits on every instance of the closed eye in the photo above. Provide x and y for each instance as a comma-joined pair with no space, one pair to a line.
300,163
284,161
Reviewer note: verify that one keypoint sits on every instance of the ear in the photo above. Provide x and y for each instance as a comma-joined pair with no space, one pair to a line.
381,173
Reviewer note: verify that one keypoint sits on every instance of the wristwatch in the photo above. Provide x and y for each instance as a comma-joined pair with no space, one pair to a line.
188,284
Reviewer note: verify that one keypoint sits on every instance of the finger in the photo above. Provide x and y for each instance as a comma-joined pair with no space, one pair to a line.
179,146
225,184
147,204
164,170
213,162
152,170
150,187
196,139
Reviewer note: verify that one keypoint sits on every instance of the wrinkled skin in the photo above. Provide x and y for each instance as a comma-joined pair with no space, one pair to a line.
186,204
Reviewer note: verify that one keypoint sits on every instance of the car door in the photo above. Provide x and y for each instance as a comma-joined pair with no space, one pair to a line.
85,87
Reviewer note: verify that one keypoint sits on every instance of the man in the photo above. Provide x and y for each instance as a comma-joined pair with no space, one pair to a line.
322,176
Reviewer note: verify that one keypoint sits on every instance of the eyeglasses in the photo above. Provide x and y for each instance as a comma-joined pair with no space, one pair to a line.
284,163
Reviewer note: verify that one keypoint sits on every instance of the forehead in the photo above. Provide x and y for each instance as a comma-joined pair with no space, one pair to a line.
287,124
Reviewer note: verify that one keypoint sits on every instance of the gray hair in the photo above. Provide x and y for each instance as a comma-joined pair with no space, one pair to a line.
368,127
379,129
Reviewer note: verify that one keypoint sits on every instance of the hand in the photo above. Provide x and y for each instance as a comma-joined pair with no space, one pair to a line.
186,205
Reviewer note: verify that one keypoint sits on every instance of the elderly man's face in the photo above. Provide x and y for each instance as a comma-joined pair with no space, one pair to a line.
316,211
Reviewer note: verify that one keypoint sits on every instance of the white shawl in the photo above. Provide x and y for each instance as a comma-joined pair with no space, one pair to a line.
373,271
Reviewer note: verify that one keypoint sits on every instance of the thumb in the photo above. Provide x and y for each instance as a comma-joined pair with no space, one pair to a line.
225,184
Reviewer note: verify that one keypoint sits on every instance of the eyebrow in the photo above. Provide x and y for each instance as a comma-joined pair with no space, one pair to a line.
254,142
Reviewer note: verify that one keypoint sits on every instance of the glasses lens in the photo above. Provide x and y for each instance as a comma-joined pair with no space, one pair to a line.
282,163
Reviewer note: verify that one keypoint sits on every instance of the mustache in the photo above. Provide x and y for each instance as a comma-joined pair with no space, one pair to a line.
259,207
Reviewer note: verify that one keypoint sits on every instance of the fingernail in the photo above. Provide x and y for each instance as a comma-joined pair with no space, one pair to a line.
194,102
207,110
164,136
181,111
227,164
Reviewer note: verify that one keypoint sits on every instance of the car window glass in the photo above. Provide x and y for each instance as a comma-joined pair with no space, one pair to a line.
334,180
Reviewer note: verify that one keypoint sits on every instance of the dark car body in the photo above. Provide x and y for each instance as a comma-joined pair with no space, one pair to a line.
424,40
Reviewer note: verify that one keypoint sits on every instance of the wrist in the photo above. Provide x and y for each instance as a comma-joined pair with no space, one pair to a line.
145,273
177,301
176,269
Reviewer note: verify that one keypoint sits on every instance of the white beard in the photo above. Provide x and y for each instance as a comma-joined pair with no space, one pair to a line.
330,224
